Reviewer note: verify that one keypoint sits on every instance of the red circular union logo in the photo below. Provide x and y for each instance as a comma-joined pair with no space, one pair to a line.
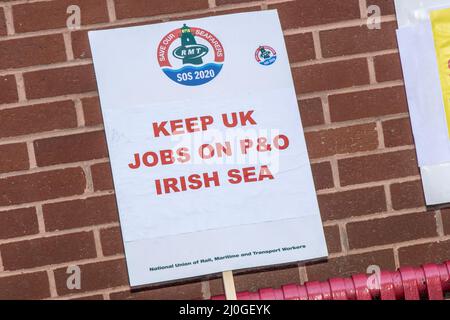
265,55
190,56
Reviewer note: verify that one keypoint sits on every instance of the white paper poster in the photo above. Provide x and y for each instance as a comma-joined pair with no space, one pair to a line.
411,12
425,96
209,160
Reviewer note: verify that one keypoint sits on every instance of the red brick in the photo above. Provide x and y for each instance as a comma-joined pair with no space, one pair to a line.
237,10
222,2
53,14
368,104
388,67
269,278
73,148
141,8
25,52
354,40
446,220
347,266
42,186
13,157
252,281
378,167
92,112
216,12
188,291
397,133
389,230
342,140
111,240
61,81
311,112
80,44
37,118
18,223
94,276
407,195
102,176
3,30
322,174
93,297
331,75
26,286
306,13
333,238
434,252
300,47
8,89
49,250
386,6
345,204
80,213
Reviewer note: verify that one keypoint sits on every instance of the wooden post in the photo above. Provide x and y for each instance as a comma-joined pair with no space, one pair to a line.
228,283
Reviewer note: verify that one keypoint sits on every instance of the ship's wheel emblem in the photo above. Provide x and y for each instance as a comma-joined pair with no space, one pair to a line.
190,56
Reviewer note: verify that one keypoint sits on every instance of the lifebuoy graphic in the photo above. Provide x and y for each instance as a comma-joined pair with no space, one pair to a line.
186,61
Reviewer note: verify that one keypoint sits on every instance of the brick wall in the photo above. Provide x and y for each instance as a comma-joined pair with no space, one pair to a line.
57,205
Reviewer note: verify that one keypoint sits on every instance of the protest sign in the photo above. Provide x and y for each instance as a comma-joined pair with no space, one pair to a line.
208,155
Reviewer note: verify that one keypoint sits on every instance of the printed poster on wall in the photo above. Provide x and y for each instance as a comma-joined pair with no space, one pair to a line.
424,29
208,155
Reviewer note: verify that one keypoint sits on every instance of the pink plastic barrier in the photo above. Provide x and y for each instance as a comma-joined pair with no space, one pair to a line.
429,281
